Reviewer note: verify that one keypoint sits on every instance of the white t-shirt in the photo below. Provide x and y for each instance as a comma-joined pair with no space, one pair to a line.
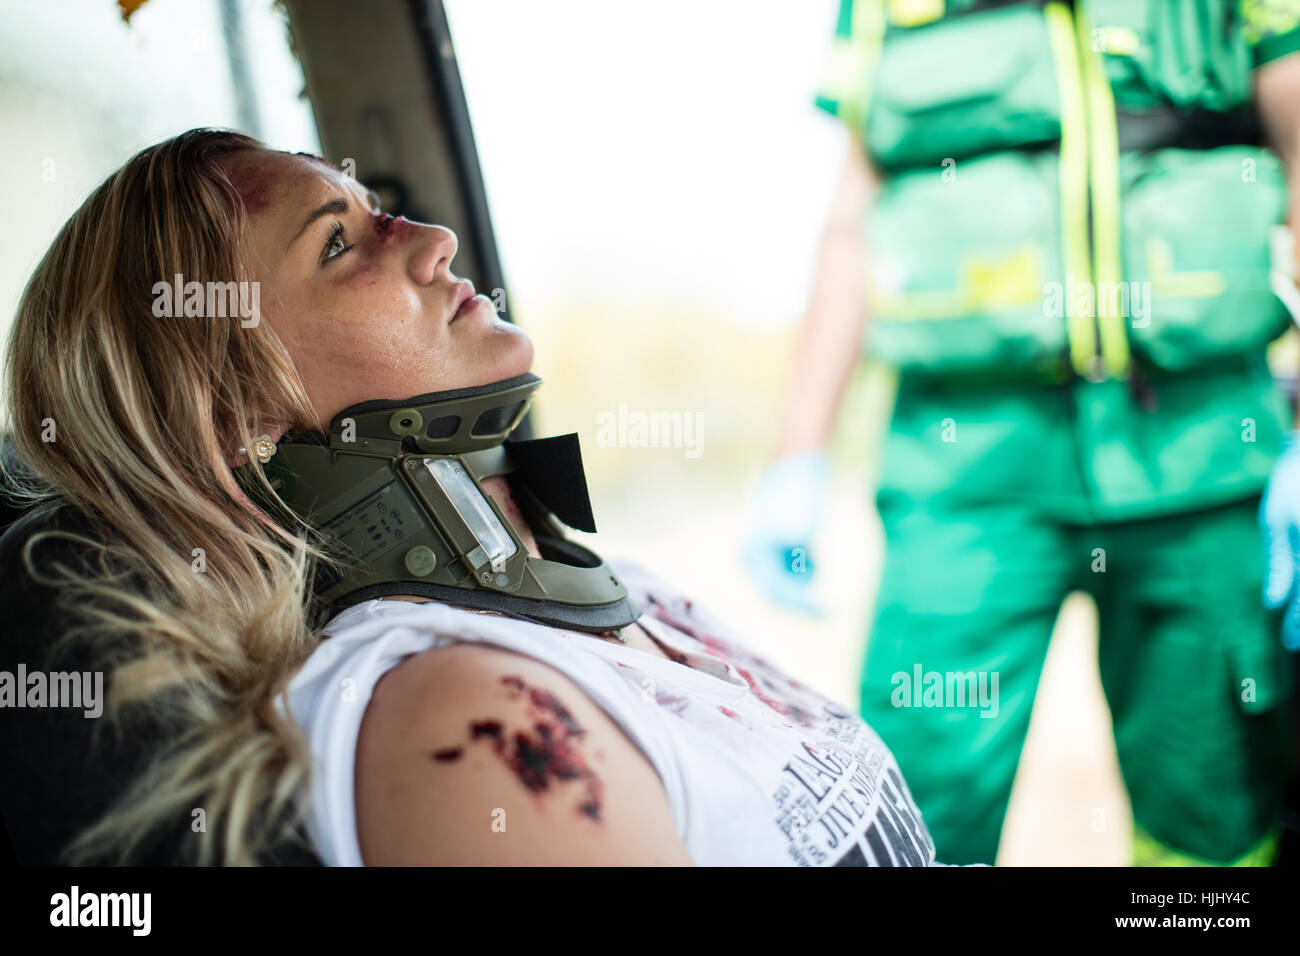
758,768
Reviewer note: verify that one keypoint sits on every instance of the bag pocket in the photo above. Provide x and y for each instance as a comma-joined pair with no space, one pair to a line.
959,265
964,86
1196,250
1188,54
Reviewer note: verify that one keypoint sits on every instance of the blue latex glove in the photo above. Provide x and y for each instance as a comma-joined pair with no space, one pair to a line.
783,519
1279,515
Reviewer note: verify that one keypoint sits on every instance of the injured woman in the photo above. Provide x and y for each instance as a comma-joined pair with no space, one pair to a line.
335,590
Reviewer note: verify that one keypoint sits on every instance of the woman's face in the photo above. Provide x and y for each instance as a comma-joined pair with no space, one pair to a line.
366,304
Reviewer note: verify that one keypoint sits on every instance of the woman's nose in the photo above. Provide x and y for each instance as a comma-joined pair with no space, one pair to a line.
430,254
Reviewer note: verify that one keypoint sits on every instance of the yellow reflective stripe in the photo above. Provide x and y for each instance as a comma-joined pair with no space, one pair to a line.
913,13
866,33
1148,851
919,305
1011,281
1014,279
1203,283
843,72
1268,18
1107,270
851,63
1120,41
1074,181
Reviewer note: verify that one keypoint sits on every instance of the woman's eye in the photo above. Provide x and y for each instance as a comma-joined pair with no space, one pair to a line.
336,245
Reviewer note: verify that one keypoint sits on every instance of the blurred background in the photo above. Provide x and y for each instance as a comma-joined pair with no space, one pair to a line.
657,178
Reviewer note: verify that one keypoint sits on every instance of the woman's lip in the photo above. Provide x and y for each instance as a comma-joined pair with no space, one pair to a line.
464,293
470,304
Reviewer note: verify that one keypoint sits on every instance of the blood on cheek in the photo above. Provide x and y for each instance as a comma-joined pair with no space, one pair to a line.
542,757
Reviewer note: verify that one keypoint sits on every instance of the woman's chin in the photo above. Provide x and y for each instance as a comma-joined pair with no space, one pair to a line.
511,350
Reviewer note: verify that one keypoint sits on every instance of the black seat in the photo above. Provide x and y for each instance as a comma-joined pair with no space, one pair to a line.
9,510
58,777
9,513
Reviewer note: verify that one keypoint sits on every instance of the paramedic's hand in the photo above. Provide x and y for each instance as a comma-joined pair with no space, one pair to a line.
784,517
1279,514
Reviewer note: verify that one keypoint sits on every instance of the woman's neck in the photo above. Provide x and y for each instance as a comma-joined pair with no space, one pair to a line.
500,491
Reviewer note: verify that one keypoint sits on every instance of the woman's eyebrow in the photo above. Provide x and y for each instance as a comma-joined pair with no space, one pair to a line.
337,206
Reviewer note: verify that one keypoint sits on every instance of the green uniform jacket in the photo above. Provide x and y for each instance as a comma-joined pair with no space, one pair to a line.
1069,251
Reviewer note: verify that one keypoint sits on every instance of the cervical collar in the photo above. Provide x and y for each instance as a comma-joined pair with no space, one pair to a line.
395,488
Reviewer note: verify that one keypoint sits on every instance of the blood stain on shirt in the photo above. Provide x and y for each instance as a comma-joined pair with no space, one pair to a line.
672,702
720,649
772,702
802,716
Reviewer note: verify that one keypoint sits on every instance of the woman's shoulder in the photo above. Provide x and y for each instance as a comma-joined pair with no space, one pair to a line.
521,764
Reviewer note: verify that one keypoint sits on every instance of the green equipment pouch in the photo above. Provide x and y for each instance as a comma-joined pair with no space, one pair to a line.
962,86
959,261
1188,54
967,241
966,228
1196,252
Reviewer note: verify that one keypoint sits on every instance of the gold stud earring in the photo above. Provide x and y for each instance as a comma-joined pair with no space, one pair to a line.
263,448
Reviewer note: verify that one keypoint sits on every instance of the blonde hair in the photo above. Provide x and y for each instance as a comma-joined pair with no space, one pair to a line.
212,594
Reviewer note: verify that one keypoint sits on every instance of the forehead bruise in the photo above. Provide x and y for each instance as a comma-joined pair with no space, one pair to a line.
255,180
278,190
271,178
321,160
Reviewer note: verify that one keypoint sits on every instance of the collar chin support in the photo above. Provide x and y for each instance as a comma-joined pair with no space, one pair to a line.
396,489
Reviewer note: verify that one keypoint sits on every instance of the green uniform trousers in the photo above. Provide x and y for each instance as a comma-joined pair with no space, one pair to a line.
1191,664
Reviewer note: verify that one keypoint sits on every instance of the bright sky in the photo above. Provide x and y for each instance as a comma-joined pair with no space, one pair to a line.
668,149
